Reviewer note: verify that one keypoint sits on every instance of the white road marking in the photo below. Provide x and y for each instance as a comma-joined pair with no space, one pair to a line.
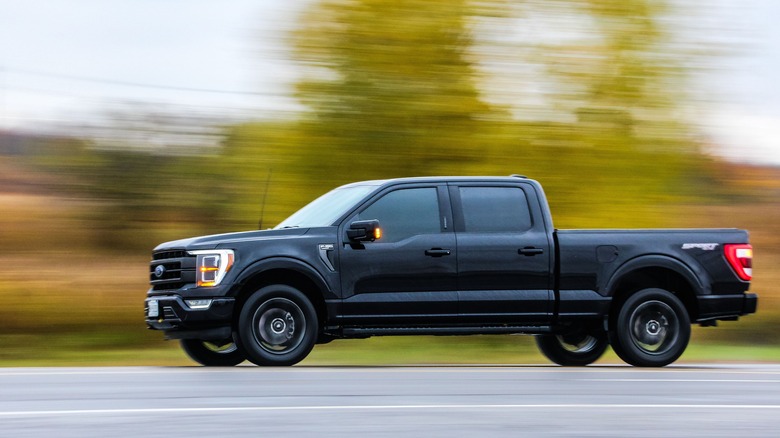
98,372
519,369
375,407
682,380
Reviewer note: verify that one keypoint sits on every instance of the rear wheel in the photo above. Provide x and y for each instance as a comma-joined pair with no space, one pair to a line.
213,353
277,326
576,349
652,329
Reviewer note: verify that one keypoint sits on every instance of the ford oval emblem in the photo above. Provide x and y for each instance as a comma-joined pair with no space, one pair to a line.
159,271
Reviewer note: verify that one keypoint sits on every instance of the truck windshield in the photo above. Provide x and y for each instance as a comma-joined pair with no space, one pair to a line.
323,211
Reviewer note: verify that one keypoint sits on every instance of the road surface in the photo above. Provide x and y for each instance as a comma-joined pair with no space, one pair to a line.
435,401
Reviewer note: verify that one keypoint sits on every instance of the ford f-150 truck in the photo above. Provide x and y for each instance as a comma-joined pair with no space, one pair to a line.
445,256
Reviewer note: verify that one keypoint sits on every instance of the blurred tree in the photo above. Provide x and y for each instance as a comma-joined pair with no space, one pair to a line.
261,164
148,197
615,145
155,176
390,90
391,87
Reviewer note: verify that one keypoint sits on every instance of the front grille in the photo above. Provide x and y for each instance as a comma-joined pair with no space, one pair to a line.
161,255
170,270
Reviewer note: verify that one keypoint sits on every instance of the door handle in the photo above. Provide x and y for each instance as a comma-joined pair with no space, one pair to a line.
529,251
437,252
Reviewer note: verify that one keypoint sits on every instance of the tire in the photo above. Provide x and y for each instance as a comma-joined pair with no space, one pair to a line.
277,326
213,354
652,329
577,349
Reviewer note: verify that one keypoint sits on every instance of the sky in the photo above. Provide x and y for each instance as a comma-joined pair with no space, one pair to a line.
61,60
66,62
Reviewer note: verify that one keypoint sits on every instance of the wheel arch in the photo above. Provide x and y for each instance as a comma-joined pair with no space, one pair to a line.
657,271
287,271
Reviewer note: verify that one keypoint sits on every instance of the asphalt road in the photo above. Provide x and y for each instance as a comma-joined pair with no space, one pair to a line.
449,401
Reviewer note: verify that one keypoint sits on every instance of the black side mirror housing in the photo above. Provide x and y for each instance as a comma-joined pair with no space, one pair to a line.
364,231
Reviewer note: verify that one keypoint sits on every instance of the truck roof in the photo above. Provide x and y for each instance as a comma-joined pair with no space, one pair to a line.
426,179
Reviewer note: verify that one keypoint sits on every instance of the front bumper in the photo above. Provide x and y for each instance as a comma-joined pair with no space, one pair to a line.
726,306
179,320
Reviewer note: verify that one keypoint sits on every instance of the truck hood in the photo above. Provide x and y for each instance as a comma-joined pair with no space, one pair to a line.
214,240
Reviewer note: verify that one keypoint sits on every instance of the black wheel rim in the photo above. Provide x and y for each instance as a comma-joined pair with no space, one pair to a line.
654,327
578,343
278,326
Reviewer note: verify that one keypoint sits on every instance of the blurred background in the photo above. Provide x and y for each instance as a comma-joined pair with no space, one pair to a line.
127,123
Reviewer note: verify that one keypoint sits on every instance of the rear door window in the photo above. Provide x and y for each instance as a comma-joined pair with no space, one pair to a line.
495,209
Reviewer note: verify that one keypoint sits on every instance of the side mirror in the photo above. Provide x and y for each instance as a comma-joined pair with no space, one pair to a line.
364,231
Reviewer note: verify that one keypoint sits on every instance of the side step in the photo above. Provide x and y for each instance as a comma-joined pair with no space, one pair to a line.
443,331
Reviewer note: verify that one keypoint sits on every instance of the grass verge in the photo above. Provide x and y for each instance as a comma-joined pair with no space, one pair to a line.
118,350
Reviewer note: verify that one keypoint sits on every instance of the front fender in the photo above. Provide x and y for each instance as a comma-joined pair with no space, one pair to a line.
288,263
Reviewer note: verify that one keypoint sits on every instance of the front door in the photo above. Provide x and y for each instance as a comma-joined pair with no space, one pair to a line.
409,274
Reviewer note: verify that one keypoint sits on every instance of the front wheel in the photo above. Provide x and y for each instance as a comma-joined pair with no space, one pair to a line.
277,326
213,354
652,329
576,349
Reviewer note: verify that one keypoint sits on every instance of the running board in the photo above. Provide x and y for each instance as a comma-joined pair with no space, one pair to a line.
443,331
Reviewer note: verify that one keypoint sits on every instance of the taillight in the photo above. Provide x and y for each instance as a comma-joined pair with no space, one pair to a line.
740,258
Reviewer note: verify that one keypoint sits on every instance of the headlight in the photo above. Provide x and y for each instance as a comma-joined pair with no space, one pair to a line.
212,265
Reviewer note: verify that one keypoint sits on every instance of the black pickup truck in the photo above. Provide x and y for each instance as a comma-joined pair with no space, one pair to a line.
445,256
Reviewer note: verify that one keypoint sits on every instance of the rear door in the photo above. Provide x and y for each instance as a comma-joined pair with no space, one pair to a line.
505,262
410,273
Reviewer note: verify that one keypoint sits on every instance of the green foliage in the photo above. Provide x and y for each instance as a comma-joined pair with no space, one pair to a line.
260,163
394,88
390,87
403,87
139,196
606,140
